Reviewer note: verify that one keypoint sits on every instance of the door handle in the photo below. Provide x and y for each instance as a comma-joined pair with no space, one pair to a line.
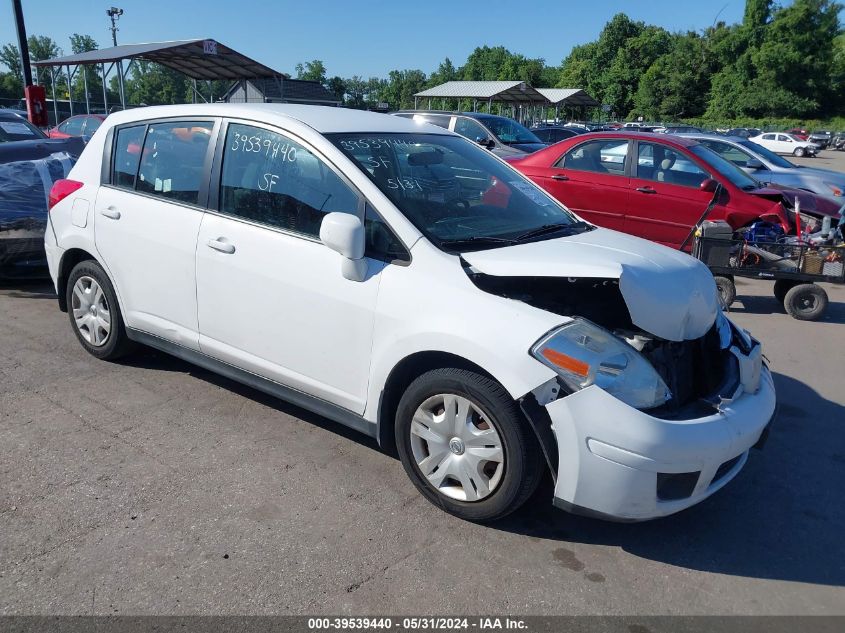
646,190
110,212
560,177
221,245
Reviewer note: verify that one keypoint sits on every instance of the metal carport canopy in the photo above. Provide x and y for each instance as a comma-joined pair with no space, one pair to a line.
198,59
568,97
507,91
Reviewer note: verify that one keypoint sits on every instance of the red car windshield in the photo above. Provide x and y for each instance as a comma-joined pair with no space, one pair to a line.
726,168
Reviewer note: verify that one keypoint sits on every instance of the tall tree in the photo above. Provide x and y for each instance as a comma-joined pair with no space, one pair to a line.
312,71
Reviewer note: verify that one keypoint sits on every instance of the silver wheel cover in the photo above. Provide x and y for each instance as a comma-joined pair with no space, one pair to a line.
91,311
457,448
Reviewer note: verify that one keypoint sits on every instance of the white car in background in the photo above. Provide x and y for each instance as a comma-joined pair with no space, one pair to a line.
783,143
401,280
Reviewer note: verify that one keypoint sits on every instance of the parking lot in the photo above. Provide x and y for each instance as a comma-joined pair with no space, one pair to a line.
152,486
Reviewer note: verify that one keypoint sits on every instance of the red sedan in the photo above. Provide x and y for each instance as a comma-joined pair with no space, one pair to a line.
78,125
658,187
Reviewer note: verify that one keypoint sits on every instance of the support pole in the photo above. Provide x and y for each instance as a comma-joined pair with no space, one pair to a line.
120,85
23,48
105,90
53,90
85,85
69,88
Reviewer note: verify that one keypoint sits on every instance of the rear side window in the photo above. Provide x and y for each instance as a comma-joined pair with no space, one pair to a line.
127,154
602,157
269,178
173,159
73,126
440,120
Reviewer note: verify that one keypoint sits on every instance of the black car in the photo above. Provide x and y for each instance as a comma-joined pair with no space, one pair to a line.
554,134
29,164
744,132
821,138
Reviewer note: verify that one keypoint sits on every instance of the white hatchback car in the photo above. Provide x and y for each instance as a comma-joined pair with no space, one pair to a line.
401,280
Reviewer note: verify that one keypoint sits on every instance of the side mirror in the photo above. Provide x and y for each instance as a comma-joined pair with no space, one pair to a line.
753,163
709,185
344,234
486,141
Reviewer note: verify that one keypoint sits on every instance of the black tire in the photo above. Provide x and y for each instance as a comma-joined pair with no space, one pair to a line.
522,466
805,302
727,290
799,152
116,343
782,286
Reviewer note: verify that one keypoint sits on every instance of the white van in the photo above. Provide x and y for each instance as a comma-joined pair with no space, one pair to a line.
401,280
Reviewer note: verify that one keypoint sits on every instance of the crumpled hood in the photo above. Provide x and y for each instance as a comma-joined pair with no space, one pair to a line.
811,203
668,293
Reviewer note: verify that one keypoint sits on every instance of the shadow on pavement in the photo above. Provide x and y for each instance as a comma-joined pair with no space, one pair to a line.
27,289
781,518
756,304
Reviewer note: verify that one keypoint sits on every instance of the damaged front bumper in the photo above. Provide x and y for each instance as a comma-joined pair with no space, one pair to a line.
623,464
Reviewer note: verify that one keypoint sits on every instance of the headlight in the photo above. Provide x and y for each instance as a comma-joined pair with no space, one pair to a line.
584,354
835,189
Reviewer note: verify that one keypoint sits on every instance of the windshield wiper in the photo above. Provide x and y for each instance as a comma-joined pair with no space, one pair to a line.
553,228
477,240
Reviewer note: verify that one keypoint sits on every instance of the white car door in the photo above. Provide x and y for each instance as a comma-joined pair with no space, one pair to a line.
271,297
785,144
146,222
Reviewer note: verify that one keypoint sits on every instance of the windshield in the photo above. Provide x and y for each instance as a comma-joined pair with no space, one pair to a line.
726,168
509,131
774,159
457,194
18,129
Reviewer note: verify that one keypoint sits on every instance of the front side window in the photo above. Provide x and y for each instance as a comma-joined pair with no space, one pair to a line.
270,179
606,156
173,160
456,193
663,164
509,131
470,129
127,155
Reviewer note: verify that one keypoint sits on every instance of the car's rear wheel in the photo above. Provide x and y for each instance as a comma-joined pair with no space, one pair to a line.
465,444
94,313
799,152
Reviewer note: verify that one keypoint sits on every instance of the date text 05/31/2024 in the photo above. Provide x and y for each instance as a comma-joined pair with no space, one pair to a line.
417,624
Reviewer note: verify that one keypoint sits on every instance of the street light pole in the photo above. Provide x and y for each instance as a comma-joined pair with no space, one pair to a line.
23,47
114,14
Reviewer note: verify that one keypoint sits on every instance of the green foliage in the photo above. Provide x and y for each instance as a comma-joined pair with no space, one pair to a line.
312,71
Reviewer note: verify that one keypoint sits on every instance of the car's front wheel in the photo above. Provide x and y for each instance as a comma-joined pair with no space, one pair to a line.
799,152
94,313
465,444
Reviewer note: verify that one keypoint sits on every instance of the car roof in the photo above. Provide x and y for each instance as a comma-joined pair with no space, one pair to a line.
323,119
682,141
712,136
8,115
473,115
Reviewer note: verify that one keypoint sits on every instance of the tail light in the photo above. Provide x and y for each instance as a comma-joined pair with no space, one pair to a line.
62,189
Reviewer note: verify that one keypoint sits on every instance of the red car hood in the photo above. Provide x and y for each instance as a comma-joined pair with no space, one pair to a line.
810,203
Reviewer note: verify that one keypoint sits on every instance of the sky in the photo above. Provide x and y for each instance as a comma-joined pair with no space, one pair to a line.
366,38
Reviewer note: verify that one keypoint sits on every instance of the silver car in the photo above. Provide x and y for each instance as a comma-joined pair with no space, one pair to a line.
763,164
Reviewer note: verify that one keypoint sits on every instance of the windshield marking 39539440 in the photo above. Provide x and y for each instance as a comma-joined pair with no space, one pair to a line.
457,194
